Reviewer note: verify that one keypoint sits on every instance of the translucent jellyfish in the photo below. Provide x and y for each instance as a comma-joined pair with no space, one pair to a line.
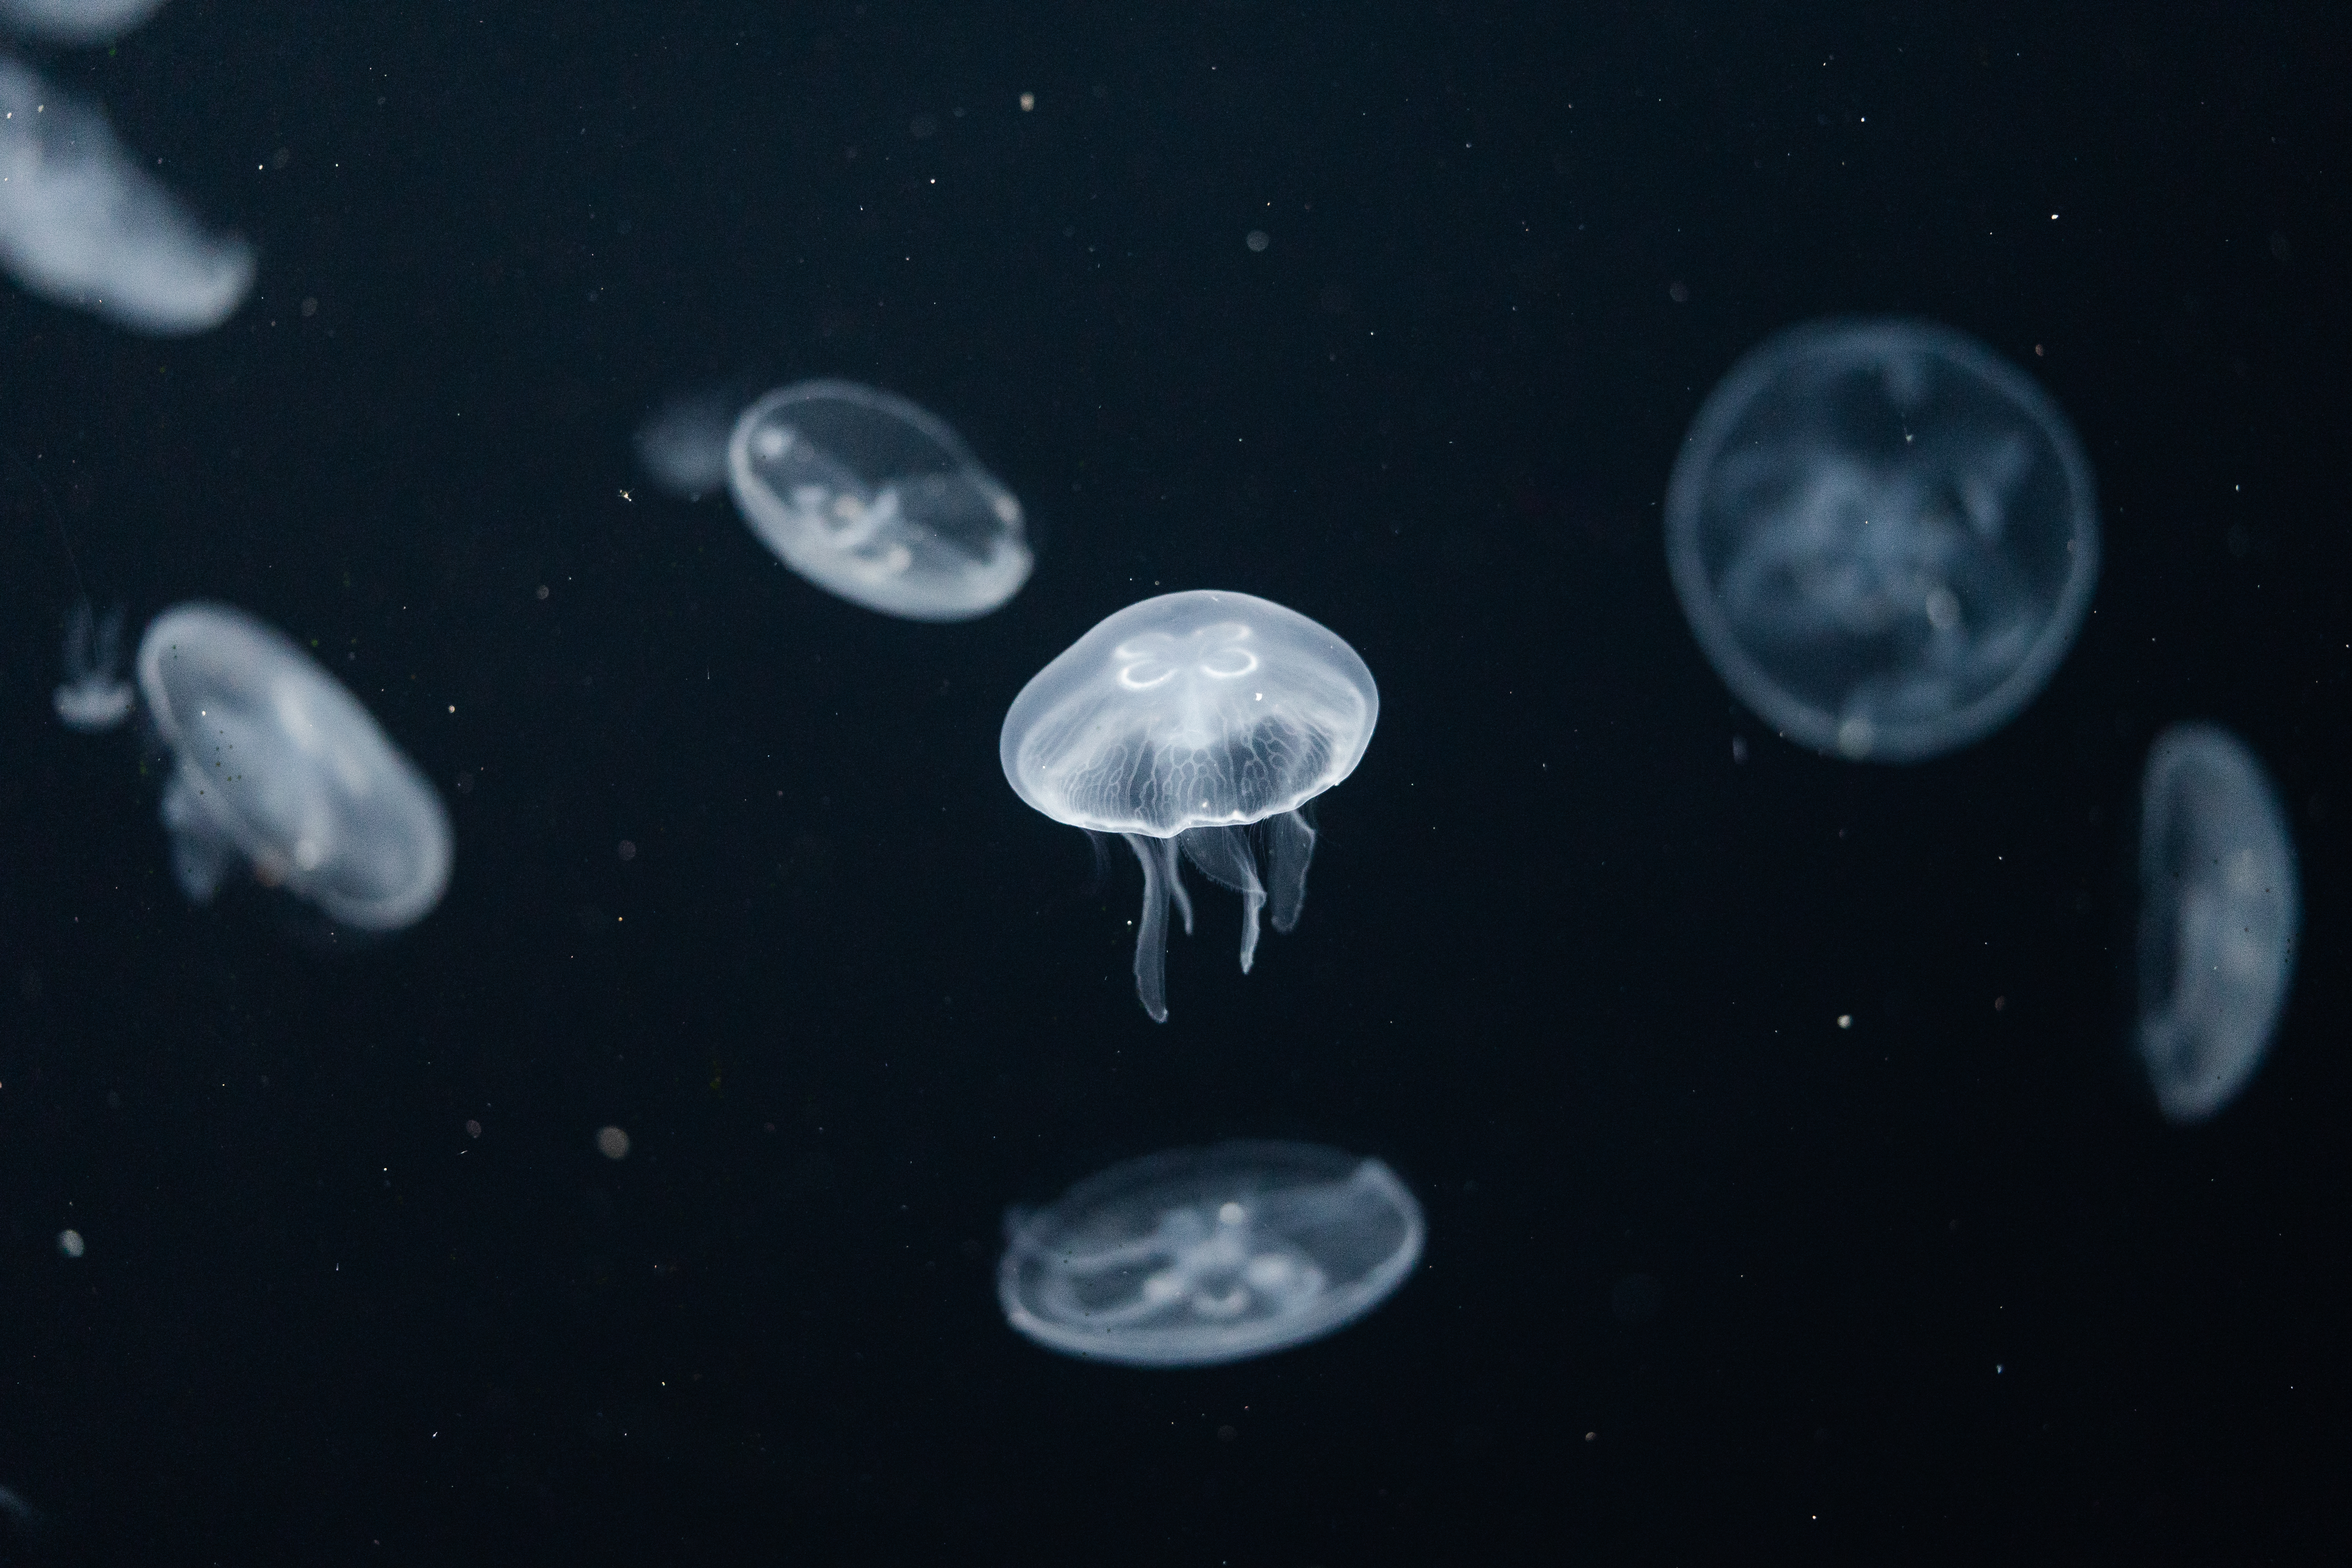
2218,915
77,21
1884,536
94,696
683,447
1201,1256
276,765
82,223
874,499
1200,722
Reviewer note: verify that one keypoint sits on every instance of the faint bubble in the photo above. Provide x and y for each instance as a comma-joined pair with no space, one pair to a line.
1028,101
612,1143
283,156
1845,1020
1257,239
1635,1299
542,590
473,1128
309,306
69,1243
1679,292
628,850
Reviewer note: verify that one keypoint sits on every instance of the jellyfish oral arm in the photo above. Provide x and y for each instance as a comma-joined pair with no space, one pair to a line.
1160,881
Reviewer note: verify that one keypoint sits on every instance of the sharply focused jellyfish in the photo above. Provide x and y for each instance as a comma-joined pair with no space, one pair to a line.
1201,1256
2219,913
277,765
874,499
82,223
94,696
77,21
1200,722
1884,536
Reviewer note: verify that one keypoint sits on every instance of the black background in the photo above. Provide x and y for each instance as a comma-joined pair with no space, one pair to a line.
1935,1287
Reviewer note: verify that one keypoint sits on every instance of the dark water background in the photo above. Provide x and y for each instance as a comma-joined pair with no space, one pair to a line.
1937,1287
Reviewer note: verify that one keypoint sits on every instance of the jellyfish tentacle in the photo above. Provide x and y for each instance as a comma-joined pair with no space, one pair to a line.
1176,889
1151,930
1290,844
1225,857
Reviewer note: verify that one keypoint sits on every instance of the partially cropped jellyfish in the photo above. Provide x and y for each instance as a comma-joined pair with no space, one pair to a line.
1203,1255
1199,721
2218,914
82,221
876,500
1884,536
94,696
276,766
77,21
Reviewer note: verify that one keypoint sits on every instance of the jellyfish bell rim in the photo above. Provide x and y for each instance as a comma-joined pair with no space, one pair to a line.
1348,662
267,642
1817,729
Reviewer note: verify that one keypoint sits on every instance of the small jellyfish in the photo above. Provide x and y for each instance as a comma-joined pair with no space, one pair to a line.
876,500
1201,721
77,21
1883,535
1198,1257
2218,919
683,446
276,765
94,696
82,223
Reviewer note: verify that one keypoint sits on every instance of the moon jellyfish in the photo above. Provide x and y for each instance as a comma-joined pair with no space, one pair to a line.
1884,536
94,696
1203,1255
83,224
683,447
77,21
2218,914
876,502
1199,721
276,766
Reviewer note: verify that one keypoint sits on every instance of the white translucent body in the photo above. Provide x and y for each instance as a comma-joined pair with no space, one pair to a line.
2220,911
1198,720
94,695
876,500
83,224
76,21
1203,1255
276,765
1883,535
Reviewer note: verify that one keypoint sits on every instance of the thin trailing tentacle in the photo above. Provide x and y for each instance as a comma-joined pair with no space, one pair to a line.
1151,930
1290,844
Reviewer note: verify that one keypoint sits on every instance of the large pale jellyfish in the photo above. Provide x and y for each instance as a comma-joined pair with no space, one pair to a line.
1883,535
94,696
2219,911
76,21
1203,1255
83,224
1201,721
276,765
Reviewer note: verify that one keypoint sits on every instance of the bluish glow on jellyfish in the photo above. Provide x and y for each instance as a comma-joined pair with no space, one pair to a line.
76,21
1203,1255
94,696
2220,911
277,767
1884,536
876,502
83,224
1201,721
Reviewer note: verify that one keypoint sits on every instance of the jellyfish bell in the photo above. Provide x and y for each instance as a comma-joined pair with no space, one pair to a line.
276,767
76,21
93,695
2220,914
876,502
1884,536
1198,721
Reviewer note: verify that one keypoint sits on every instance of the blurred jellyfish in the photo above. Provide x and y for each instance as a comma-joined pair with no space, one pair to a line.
94,696
1883,535
83,224
2217,920
683,447
76,21
1201,721
876,500
1203,1255
278,766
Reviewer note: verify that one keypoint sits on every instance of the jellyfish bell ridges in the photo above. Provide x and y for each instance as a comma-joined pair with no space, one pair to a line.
876,502
2219,913
1196,722
1197,1257
1884,536
276,765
